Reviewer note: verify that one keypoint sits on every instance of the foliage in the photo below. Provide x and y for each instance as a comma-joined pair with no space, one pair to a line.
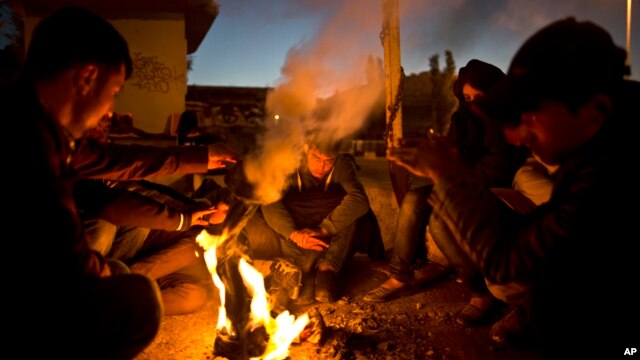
441,97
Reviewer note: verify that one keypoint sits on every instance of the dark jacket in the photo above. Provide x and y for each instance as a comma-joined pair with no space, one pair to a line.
314,204
94,159
483,149
576,251
480,143
54,164
41,182
138,203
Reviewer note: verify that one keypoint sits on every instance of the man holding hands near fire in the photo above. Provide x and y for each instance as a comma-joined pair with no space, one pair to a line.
314,224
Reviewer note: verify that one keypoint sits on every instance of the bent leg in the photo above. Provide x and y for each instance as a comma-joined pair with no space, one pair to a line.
341,248
261,240
460,261
410,243
100,235
167,260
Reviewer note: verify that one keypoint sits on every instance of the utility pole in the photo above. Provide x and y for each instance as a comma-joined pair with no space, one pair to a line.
629,32
394,82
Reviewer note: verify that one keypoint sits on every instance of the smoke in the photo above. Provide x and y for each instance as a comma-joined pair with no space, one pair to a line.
326,92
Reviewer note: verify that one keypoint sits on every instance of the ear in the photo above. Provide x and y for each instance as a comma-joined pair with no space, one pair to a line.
86,79
598,109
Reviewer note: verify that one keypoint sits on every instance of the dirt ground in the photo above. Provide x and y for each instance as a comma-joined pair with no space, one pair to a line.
419,326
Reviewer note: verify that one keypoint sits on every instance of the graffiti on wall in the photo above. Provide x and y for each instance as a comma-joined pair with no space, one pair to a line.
152,75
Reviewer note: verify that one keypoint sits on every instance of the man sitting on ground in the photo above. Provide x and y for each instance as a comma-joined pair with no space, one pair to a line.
314,224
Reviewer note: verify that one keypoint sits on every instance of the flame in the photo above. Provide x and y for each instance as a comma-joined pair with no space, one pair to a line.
282,330
210,243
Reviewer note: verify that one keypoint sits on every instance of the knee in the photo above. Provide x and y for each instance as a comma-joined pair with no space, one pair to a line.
306,264
413,202
185,298
100,235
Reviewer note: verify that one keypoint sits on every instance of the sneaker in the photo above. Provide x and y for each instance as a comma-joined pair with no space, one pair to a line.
284,275
383,294
278,301
325,286
307,291
476,312
513,328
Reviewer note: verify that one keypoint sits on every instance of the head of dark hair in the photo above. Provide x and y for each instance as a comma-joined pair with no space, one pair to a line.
188,122
568,61
326,147
74,36
479,74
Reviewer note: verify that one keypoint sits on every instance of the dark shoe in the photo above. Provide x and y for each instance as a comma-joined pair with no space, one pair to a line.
284,275
383,294
307,292
513,329
325,286
474,315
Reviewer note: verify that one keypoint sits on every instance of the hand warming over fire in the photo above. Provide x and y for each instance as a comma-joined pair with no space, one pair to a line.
310,239
212,215
222,155
434,157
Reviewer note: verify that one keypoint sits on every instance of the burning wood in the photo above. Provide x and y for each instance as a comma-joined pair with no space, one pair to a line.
245,327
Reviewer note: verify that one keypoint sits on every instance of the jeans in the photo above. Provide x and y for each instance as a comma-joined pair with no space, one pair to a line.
466,269
117,242
171,258
410,242
265,244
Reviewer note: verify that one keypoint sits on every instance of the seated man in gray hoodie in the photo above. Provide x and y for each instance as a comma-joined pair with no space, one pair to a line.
314,223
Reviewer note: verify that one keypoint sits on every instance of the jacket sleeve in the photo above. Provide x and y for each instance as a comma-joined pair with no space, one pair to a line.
354,204
127,208
278,218
482,148
506,245
131,162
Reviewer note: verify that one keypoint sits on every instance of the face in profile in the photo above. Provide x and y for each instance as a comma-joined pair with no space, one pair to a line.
551,131
319,163
99,99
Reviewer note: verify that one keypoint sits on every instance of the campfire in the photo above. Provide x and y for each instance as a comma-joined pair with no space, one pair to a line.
245,327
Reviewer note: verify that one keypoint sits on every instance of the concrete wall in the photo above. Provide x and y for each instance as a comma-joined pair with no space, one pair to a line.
158,85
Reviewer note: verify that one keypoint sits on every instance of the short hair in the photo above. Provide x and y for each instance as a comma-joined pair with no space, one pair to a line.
74,36
326,147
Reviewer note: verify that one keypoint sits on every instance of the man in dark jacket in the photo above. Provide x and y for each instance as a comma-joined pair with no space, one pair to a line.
565,98
314,224
152,229
75,65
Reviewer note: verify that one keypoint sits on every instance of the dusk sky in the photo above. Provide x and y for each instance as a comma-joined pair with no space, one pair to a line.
251,40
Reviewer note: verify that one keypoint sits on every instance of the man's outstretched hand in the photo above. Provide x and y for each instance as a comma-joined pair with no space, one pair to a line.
222,155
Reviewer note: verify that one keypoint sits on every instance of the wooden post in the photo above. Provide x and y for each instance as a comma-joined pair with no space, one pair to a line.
390,37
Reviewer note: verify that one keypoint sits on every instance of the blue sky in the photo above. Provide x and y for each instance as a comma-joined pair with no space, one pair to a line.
250,41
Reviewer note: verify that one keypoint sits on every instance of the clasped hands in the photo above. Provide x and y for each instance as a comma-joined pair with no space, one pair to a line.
310,239
432,157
